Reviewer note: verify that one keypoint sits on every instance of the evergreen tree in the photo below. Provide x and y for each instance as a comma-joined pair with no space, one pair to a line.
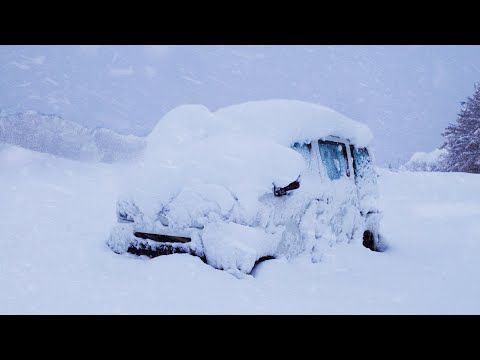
462,140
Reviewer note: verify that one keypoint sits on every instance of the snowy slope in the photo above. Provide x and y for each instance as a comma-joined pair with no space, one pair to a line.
55,215
55,135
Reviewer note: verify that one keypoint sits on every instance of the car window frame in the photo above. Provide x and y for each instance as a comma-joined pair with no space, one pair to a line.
349,157
352,150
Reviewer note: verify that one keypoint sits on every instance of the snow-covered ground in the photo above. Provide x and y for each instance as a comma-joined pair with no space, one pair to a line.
56,214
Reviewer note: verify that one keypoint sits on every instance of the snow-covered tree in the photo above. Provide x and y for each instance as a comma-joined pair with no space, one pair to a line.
426,161
55,135
462,140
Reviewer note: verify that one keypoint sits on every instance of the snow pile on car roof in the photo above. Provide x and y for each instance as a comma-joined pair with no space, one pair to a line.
282,121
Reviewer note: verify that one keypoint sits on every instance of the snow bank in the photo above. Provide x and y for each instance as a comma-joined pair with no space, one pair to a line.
426,161
234,246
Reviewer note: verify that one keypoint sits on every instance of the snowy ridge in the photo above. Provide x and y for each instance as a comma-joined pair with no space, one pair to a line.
54,135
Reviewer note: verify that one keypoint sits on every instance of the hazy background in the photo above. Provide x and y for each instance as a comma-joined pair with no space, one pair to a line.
406,94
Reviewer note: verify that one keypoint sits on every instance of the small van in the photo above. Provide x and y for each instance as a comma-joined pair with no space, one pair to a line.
253,181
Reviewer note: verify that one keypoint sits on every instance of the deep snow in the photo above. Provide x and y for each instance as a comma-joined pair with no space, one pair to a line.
55,215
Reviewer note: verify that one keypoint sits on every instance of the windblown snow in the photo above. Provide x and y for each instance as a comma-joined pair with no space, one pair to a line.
56,214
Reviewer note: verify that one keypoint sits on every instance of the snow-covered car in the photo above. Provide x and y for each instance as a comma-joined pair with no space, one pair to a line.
263,179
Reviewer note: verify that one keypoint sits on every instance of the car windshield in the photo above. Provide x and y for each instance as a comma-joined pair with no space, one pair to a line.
334,158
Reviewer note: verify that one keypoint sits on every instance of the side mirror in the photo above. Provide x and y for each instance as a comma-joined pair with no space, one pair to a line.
281,191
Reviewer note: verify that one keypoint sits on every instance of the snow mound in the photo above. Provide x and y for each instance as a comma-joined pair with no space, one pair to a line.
426,161
234,247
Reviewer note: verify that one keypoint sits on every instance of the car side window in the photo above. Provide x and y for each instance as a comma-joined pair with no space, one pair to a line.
361,159
334,158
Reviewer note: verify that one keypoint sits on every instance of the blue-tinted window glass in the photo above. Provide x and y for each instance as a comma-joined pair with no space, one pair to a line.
334,158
